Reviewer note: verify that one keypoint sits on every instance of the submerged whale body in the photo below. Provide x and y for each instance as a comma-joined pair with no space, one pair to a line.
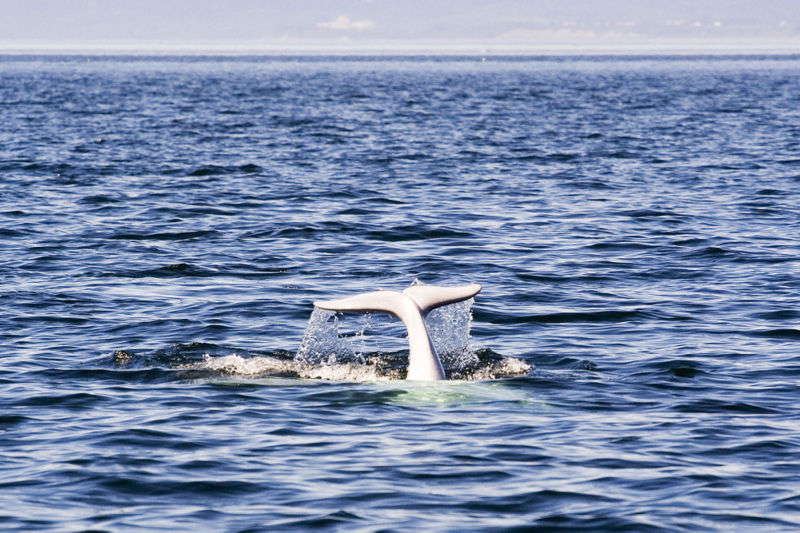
410,306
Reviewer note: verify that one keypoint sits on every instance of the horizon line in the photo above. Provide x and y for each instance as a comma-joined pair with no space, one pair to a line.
753,47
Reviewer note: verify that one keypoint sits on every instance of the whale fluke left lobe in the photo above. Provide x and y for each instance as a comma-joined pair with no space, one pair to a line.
386,301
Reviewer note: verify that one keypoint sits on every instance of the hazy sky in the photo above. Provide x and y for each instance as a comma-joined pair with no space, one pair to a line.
364,24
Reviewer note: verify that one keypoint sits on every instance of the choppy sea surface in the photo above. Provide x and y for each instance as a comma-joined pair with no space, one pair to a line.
166,223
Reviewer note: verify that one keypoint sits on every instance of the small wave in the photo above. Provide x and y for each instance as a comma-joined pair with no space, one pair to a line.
782,314
620,246
335,520
678,368
7,421
616,154
251,168
384,200
783,333
147,438
568,317
546,499
717,253
671,273
649,213
77,401
588,184
754,451
209,170
557,278
214,170
412,156
185,212
51,319
355,211
176,270
234,126
99,199
557,157
771,192
416,232
293,122
5,232
166,236
306,230
174,488
711,252
117,375
721,406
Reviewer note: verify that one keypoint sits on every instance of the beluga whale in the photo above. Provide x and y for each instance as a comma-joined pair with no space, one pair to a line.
410,306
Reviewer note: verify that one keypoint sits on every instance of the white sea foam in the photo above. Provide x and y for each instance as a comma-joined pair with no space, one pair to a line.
264,365
236,365
243,366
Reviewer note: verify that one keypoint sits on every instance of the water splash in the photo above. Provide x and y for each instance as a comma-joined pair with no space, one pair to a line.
366,347
323,345
449,330
324,342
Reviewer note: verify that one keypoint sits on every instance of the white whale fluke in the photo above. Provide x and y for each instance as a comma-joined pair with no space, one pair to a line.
410,306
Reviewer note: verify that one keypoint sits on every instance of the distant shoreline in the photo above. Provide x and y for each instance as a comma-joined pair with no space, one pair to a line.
781,48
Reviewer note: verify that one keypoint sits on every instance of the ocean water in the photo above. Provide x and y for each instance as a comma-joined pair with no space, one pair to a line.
166,223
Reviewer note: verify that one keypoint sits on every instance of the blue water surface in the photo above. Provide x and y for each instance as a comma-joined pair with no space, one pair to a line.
634,223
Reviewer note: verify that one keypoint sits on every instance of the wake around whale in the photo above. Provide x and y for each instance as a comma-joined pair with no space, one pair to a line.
326,354
410,306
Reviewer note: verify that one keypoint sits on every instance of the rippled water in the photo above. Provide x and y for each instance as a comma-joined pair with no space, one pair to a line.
167,222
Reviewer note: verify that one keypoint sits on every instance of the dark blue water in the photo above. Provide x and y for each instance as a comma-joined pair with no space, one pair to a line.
634,223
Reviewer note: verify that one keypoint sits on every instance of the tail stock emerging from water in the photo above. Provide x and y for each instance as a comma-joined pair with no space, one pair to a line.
411,306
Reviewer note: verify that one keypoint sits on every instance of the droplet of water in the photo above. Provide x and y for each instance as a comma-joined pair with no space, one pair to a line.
449,327
322,344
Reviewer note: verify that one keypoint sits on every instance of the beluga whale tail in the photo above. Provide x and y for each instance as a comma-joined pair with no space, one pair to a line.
411,306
